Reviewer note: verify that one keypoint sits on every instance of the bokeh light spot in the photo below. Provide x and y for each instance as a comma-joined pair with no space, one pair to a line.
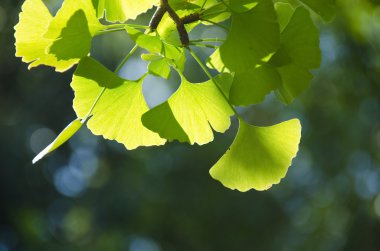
41,138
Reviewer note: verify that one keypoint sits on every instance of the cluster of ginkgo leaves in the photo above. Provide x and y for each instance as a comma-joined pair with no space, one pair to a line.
271,45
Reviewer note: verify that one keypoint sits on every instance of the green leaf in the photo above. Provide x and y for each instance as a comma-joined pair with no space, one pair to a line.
284,14
159,68
64,136
254,35
122,10
117,114
216,13
68,9
167,29
190,113
259,157
30,43
150,42
240,6
74,41
71,31
299,53
252,86
153,43
324,8
59,42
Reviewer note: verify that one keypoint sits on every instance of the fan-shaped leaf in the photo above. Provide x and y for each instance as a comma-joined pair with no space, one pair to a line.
117,114
59,42
191,111
299,53
254,35
252,86
259,156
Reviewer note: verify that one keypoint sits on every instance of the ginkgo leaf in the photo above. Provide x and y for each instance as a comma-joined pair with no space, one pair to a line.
299,53
74,42
67,10
64,136
324,8
71,31
30,43
214,12
242,5
253,36
159,67
59,42
122,10
284,14
152,42
117,114
167,29
190,113
259,157
252,86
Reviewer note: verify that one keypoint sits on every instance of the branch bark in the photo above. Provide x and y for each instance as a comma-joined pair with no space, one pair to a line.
180,22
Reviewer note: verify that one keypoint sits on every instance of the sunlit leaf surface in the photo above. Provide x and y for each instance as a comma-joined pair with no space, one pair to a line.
117,114
259,156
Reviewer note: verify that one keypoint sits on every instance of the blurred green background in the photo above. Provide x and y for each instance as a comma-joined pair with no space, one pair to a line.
92,194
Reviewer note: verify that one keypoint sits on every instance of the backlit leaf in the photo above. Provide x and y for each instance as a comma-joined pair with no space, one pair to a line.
252,86
253,36
284,14
59,42
159,68
30,43
242,5
191,112
71,31
117,115
325,8
64,136
153,43
299,53
122,10
259,157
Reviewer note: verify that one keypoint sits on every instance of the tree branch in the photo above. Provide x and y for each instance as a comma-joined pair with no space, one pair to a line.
180,22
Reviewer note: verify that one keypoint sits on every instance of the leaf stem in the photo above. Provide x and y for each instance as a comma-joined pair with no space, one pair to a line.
102,32
122,26
204,45
119,27
179,22
216,40
215,13
204,68
89,113
125,59
204,4
215,23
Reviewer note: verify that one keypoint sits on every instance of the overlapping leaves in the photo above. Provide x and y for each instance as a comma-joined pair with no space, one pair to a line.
192,111
270,46
122,10
59,41
117,114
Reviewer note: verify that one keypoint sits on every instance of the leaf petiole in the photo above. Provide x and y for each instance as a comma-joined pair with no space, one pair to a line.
102,32
89,113
215,40
215,23
204,45
204,68
120,27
